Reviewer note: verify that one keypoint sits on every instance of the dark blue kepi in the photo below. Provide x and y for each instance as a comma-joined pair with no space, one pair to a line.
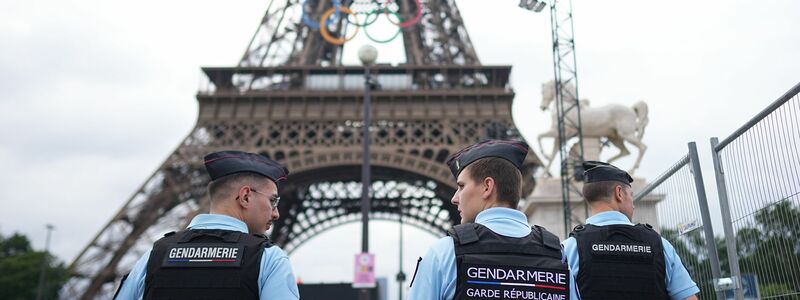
224,163
595,171
513,151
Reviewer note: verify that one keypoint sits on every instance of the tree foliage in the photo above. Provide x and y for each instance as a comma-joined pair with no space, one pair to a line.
20,269
692,251
768,247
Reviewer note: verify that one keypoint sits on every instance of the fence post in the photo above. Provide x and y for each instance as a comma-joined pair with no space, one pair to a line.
711,244
727,225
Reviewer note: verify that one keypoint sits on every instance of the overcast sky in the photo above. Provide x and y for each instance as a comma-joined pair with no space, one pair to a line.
94,95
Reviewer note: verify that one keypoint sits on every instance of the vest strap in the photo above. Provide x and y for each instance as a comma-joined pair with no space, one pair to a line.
549,239
465,233
227,237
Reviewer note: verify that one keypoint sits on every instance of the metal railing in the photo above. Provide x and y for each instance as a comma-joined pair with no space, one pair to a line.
757,170
402,78
684,220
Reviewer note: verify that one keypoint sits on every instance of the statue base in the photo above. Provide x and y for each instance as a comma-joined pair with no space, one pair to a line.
544,207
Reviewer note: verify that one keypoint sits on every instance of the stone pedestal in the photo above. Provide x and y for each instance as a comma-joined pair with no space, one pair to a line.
591,148
544,207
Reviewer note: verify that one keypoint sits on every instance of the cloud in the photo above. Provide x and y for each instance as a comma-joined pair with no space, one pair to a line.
76,194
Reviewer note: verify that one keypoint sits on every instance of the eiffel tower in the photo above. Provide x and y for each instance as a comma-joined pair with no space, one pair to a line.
290,98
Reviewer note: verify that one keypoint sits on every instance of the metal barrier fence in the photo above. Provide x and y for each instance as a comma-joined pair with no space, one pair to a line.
684,220
757,170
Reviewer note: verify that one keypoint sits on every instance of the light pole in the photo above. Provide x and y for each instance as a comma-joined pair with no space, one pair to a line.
401,277
42,285
367,54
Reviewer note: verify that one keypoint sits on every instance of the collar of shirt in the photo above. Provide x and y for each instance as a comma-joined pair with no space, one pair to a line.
505,221
608,218
215,221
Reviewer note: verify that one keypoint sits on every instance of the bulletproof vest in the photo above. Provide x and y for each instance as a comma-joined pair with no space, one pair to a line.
205,264
620,262
493,266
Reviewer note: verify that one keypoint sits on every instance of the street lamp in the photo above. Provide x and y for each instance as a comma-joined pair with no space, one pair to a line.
401,277
367,54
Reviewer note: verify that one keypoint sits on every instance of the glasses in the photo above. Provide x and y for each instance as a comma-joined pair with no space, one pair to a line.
274,200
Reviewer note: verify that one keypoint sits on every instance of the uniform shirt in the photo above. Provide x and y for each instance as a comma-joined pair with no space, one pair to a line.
679,284
275,280
436,275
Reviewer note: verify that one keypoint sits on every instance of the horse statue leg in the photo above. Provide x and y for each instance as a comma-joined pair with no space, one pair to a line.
640,108
620,144
630,137
552,156
541,148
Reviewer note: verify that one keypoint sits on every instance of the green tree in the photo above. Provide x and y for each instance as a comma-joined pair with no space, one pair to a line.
692,251
20,267
770,248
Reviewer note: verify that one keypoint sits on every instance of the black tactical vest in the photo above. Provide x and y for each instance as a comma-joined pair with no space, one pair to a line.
620,262
492,266
205,264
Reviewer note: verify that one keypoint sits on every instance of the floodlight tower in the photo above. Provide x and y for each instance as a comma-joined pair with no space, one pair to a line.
566,73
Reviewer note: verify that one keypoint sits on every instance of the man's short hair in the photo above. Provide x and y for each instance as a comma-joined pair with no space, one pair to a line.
507,178
228,185
600,190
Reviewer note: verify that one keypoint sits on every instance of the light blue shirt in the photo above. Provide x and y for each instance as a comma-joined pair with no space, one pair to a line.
679,283
436,275
275,281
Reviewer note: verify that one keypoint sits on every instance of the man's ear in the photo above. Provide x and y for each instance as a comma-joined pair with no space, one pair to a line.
244,196
488,187
619,193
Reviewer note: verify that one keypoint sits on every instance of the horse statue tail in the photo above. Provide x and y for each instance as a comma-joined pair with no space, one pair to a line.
640,108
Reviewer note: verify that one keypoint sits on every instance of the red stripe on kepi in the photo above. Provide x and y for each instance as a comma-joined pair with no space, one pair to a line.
243,157
226,156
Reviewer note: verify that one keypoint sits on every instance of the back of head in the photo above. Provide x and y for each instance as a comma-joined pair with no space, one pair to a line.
228,186
601,179
599,191
507,178
231,169
499,159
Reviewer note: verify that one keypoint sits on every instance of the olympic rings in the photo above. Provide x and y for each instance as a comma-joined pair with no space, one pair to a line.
315,25
371,8
324,30
408,23
396,34
367,22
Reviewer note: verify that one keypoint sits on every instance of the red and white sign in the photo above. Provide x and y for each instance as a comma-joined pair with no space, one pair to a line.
364,276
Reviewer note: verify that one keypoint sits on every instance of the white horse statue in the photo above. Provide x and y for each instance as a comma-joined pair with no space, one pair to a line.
617,123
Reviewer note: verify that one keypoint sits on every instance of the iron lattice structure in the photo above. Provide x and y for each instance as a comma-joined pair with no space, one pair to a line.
440,37
566,73
290,99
